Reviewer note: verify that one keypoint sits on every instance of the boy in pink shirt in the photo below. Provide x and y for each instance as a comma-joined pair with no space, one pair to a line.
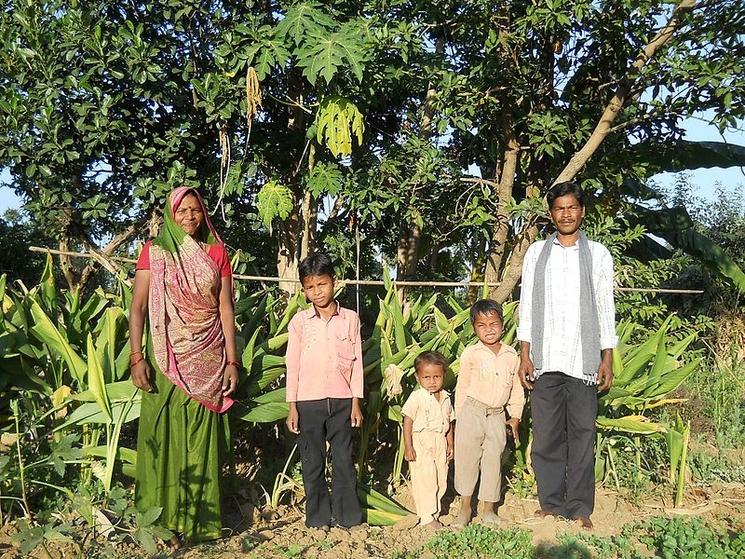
324,390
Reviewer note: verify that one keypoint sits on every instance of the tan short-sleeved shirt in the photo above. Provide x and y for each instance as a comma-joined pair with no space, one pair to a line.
427,413
490,378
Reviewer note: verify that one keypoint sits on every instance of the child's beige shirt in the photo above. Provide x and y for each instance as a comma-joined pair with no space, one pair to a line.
490,378
426,413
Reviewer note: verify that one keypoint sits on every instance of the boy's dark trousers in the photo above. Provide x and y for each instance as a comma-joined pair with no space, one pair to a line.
564,410
321,421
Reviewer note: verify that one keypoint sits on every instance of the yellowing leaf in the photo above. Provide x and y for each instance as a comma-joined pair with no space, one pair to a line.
338,119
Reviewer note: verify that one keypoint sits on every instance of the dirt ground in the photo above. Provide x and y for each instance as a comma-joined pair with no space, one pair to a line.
282,534
288,537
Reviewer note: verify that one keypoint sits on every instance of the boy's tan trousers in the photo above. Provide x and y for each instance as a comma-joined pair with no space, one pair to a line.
480,438
429,474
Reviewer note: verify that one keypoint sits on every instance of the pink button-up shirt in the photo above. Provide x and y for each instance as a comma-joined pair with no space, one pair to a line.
324,359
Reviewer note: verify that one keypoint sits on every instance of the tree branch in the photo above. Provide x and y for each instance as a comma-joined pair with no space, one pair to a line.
612,110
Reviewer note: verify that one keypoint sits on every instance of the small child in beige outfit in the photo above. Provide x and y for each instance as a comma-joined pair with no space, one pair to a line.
428,437
487,387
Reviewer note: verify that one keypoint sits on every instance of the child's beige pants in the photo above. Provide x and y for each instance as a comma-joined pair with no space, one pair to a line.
480,438
429,474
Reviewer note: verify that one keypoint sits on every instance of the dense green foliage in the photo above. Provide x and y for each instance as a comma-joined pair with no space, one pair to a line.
305,120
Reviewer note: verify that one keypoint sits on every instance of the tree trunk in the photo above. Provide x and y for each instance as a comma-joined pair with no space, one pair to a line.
501,230
515,265
407,254
287,253
411,232
64,246
309,213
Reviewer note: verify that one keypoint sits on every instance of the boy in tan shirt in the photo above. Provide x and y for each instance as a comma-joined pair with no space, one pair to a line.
428,437
487,385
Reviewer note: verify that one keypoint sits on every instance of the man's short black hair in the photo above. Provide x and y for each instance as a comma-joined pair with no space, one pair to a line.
486,306
431,358
562,189
316,264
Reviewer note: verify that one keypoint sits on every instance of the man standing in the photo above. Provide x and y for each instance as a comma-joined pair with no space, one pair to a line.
566,333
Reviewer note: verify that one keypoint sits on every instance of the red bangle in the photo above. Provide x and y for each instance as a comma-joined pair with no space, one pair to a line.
133,363
237,366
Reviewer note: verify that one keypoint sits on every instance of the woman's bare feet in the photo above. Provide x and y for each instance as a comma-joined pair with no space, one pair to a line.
435,524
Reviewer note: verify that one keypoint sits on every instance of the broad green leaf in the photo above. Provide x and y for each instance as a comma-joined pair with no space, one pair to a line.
48,291
267,413
120,391
123,454
96,381
274,201
277,395
337,120
92,413
676,227
325,178
45,331
630,424
304,22
685,155
331,52
673,379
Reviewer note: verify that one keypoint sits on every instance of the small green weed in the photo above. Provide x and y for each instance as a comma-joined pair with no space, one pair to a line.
293,550
479,541
678,538
248,544
610,547
708,468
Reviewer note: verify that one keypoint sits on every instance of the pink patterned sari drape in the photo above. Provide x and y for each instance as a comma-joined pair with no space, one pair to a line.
184,305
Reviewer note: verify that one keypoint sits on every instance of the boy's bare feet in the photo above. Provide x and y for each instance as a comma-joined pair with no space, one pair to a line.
435,524
490,517
463,518
584,521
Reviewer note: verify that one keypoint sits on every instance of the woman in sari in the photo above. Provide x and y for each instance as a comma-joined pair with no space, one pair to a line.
188,371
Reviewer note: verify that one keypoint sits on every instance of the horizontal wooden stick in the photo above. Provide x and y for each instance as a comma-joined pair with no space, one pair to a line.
371,282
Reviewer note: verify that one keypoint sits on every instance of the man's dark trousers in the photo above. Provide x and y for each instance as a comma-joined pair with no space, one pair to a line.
564,410
320,421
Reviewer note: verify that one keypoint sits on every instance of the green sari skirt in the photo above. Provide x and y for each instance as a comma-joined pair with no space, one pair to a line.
181,449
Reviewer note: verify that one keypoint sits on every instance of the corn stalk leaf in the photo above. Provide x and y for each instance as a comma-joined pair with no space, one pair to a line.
96,382
46,332
637,424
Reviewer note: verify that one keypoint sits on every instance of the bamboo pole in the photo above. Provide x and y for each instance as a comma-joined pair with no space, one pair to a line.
371,282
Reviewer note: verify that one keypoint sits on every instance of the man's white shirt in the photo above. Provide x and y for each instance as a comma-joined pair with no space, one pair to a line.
562,344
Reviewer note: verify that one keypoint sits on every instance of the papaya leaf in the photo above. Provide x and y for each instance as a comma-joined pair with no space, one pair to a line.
325,178
337,120
329,52
274,201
